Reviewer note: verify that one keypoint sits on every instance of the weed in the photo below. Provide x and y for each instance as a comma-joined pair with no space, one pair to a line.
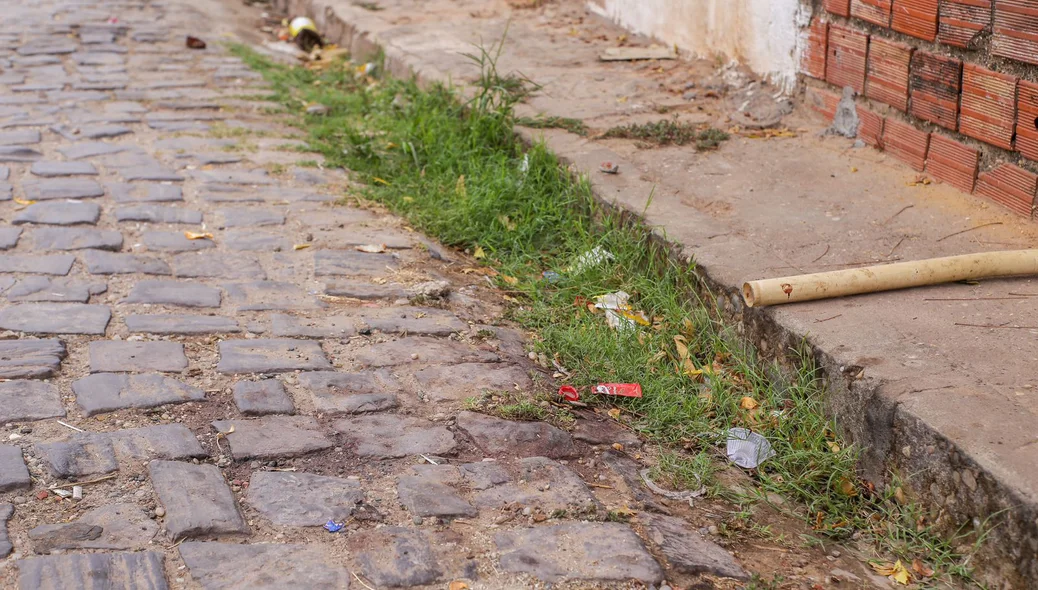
668,132
372,6
307,164
572,125
277,169
224,131
456,170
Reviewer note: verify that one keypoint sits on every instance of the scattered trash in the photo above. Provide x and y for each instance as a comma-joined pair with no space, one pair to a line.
621,389
551,276
316,109
638,53
895,571
77,492
619,315
194,43
80,483
591,259
688,495
191,235
286,48
569,393
367,69
62,493
333,527
371,248
304,32
609,168
71,426
748,449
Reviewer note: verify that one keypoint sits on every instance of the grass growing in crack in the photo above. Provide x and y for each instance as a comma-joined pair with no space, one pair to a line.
668,132
455,169
569,124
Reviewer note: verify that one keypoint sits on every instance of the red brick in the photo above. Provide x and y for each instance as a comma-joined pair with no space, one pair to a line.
887,79
816,44
845,63
936,82
839,7
1016,30
951,162
988,109
917,18
906,143
961,22
874,11
870,130
822,101
1027,119
1010,186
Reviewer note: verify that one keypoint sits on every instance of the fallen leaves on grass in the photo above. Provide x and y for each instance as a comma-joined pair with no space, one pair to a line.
895,571
192,235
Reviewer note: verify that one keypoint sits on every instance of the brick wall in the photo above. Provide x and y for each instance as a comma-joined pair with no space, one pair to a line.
950,87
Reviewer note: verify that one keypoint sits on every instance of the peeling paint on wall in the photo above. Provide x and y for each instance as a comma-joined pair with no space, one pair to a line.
762,34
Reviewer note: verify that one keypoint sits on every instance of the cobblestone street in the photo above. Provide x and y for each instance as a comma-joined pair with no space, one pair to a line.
190,332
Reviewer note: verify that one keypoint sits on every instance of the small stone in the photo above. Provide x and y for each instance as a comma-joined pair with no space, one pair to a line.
416,520
160,511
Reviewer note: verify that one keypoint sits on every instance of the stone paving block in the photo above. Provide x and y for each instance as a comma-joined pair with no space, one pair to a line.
257,398
458,382
250,177
52,168
14,475
396,557
543,484
29,400
197,500
271,356
6,511
47,46
14,153
50,264
522,439
352,263
270,295
93,149
56,290
351,393
248,217
103,131
687,551
99,262
155,193
62,188
76,238
90,58
427,495
158,214
54,213
170,323
578,551
273,437
30,359
20,137
217,265
388,436
423,350
322,327
414,321
484,475
86,455
106,392
139,571
114,356
9,237
164,241
356,289
180,293
256,241
267,566
163,441
154,173
55,318
303,499
114,527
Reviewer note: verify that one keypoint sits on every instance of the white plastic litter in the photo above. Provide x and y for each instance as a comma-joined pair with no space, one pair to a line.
748,449
590,259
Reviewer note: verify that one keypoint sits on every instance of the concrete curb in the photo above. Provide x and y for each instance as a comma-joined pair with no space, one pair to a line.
962,491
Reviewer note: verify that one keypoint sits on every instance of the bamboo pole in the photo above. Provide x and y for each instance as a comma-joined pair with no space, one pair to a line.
888,277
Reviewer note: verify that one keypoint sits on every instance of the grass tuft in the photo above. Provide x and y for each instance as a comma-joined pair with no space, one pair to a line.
668,132
569,124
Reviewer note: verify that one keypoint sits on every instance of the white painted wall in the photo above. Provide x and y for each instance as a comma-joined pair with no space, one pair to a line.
762,34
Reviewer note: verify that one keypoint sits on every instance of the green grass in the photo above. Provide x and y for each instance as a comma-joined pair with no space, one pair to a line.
668,132
569,124
456,170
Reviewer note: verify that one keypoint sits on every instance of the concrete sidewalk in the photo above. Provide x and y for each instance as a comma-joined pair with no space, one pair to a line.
945,405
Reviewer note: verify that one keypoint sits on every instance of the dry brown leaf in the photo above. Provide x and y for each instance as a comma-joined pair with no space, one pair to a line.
614,413
895,571
301,246
479,253
192,235
458,585
847,488
371,248
510,280
23,201
921,569
835,448
748,403
682,345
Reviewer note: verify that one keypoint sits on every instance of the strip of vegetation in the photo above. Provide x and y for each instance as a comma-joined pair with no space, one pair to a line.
668,132
568,123
456,170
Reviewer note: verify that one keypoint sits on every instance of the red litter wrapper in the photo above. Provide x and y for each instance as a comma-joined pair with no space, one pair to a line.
570,393
622,389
